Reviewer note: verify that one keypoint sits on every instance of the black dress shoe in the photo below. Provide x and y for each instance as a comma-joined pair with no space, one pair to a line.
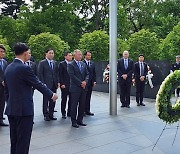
142,104
123,106
128,106
64,116
90,113
75,125
138,104
52,118
81,124
3,124
47,119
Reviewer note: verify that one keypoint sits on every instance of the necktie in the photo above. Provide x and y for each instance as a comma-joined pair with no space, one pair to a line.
88,63
141,69
79,65
126,64
51,64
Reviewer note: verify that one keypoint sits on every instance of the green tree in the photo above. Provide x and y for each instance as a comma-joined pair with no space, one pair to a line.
98,43
9,54
11,7
41,42
57,20
170,45
144,42
14,30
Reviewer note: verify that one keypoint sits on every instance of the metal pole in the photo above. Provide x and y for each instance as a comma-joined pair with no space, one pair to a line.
113,56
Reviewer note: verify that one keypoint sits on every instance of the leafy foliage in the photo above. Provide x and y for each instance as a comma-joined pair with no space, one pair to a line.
9,54
41,42
98,43
170,45
144,42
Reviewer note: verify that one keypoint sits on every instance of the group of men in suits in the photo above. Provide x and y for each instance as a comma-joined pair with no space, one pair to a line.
127,71
76,84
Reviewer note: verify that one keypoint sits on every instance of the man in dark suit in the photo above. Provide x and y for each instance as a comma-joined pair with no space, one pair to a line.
125,68
91,82
48,74
176,66
19,80
64,80
140,72
79,76
3,65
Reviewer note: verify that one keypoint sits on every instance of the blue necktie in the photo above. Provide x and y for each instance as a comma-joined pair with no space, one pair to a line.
51,65
79,65
126,64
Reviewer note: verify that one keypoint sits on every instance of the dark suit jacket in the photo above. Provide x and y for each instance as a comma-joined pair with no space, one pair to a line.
175,66
19,80
64,78
92,73
121,69
47,75
33,67
76,77
137,70
2,72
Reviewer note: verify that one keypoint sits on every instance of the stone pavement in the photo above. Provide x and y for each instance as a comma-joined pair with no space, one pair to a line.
132,131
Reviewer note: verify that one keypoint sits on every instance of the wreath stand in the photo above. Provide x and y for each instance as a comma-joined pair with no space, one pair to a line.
165,127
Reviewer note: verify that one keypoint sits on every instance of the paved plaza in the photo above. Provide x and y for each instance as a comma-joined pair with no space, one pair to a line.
132,131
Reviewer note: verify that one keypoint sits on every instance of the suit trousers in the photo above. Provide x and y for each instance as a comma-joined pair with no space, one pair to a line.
125,90
48,104
64,94
77,104
139,90
2,102
20,133
88,99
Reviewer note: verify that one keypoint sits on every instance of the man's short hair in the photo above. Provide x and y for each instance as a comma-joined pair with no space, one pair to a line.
2,47
178,56
66,53
20,48
141,55
49,49
87,52
77,50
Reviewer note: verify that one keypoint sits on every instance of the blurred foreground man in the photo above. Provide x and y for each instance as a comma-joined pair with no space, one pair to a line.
19,80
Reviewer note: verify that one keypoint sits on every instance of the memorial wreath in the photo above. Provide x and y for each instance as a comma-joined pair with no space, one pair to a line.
165,109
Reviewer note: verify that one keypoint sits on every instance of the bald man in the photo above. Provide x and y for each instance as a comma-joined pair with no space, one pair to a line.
125,70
